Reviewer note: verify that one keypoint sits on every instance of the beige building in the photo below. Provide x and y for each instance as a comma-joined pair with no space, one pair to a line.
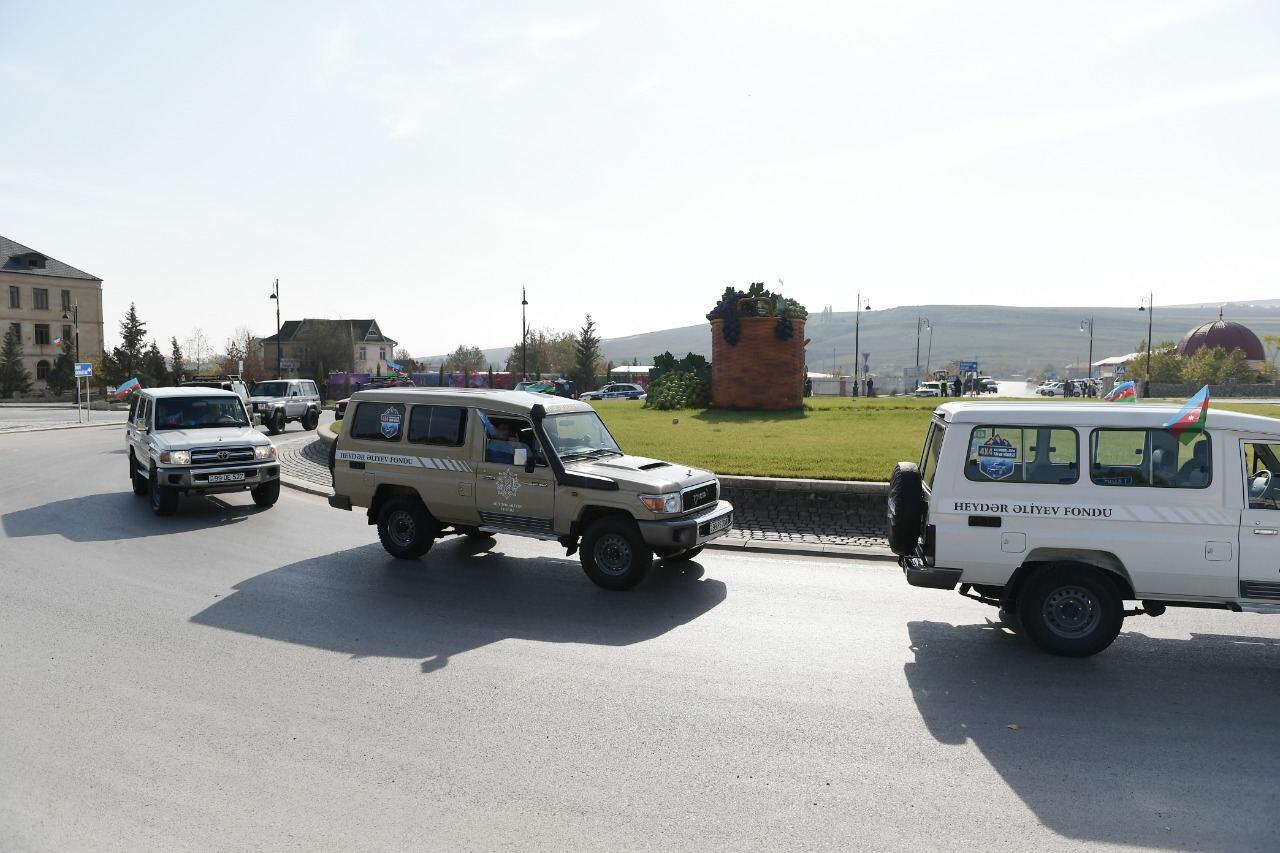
45,300
370,348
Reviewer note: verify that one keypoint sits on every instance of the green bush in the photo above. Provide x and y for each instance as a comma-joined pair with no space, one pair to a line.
679,391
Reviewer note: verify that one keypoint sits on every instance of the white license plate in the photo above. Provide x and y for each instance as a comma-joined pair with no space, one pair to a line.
226,478
721,523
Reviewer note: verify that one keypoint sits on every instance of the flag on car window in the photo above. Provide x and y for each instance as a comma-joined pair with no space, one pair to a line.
1191,419
57,342
1125,392
127,386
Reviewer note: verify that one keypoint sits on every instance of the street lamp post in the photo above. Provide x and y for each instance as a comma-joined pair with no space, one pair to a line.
1086,325
1150,308
524,335
275,294
921,323
858,307
74,316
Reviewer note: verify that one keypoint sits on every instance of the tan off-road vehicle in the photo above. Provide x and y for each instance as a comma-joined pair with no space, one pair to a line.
428,463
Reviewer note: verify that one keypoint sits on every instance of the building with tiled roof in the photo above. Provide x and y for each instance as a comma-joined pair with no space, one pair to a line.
46,300
370,348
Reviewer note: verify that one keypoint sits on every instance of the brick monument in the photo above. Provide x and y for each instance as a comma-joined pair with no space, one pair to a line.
758,362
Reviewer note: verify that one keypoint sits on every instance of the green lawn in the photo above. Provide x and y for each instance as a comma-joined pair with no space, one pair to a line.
832,439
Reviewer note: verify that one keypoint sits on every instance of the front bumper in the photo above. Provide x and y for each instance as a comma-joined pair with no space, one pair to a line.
197,479
689,531
920,573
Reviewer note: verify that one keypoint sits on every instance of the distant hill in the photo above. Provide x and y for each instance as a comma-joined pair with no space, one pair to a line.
1003,339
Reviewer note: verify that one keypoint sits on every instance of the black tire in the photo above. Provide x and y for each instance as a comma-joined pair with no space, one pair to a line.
1072,611
906,508
333,464
475,533
275,424
266,494
405,528
135,477
614,554
680,556
164,500
311,419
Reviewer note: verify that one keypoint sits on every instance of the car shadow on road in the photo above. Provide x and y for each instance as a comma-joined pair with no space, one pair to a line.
1155,742
458,598
122,515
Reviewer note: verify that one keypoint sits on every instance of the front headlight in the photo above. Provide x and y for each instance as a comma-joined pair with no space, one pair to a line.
176,457
662,503
264,451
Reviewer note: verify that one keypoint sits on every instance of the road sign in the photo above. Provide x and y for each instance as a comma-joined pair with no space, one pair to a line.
1121,370
288,364
83,369
968,367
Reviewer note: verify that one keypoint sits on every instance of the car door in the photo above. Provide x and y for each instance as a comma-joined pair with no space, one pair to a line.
293,404
1260,520
507,496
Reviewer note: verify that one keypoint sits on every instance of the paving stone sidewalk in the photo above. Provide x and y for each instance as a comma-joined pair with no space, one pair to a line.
758,517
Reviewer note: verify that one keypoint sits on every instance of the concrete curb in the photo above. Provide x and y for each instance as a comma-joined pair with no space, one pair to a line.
803,549
303,486
780,484
59,426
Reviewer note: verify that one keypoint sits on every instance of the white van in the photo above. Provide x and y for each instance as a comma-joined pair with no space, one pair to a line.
1059,514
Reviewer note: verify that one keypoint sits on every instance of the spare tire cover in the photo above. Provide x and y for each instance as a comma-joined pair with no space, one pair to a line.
906,508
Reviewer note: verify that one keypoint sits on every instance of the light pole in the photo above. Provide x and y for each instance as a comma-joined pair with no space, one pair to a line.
921,323
74,316
1150,308
858,307
275,294
929,352
524,335
1086,325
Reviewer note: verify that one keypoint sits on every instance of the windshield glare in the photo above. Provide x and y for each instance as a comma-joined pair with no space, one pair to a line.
200,412
577,433
270,389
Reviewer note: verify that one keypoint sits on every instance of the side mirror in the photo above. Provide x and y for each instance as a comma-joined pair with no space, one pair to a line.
141,424
257,420
520,456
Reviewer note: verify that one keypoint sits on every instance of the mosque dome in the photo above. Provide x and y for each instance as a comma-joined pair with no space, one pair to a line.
1225,334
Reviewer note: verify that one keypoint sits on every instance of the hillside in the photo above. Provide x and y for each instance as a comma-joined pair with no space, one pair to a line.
1003,339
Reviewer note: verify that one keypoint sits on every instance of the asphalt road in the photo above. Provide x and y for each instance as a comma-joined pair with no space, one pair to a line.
241,679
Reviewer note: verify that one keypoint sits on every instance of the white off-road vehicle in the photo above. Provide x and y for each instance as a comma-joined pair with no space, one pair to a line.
1059,514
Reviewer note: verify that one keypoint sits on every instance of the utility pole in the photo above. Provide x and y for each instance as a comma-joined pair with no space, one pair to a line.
524,335
921,323
1150,308
275,294
858,308
1086,325
74,316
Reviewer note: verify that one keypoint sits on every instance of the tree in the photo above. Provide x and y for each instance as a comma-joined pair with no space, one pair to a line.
14,376
467,360
586,355
199,351
1167,365
63,373
155,373
409,363
177,368
133,333
325,345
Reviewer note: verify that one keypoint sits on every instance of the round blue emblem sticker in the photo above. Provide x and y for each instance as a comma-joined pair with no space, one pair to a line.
996,457
390,421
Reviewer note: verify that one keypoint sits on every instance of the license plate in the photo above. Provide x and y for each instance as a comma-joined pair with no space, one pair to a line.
721,523
226,478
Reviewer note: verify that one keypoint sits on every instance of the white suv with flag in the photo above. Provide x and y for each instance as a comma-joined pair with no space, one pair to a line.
1060,514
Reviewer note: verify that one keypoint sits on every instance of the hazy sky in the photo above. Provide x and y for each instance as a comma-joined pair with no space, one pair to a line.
415,162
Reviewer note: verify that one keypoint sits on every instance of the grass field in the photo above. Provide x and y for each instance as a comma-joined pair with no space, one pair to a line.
832,439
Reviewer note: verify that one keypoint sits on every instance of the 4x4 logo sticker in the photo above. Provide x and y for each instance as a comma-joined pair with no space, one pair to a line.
390,421
996,457
508,485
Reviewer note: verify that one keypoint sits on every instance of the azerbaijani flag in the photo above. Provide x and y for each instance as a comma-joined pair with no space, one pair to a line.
542,387
395,365
127,386
1191,419
57,342
1125,392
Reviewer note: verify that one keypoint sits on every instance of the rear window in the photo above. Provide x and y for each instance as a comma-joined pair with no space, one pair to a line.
376,421
441,425
1023,454
1150,458
932,447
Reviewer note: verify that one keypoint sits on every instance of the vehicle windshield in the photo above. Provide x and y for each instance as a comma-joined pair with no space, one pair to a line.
579,434
199,412
270,389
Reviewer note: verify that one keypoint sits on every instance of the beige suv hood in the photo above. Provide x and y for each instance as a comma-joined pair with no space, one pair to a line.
641,474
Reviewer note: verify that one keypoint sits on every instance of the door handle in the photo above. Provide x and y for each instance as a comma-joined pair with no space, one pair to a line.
538,485
1265,531
488,477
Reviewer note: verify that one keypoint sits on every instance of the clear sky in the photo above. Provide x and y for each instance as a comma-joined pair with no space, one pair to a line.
416,162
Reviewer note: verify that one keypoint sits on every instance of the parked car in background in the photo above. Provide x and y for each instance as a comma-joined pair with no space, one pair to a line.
929,389
615,391
987,385
340,408
279,401
225,383
1050,389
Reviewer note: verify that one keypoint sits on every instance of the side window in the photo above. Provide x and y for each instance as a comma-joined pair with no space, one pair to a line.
146,412
502,437
442,425
1013,454
929,458
1262,472
311,389
133,408
1149,457
376,421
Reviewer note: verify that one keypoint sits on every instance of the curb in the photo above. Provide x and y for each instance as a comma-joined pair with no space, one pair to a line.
303,486
59,426
781,484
